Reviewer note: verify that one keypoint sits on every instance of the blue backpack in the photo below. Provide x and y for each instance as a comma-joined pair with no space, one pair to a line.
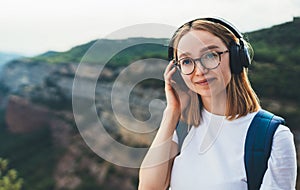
257,146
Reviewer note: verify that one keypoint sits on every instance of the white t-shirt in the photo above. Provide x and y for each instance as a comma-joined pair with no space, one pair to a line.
212,157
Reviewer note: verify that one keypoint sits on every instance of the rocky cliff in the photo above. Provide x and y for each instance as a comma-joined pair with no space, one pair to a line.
38,95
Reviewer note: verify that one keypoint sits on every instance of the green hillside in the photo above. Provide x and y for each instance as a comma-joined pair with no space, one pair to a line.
275,74
278,44
131,49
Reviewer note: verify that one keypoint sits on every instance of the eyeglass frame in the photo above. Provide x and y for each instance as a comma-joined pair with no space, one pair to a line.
199,59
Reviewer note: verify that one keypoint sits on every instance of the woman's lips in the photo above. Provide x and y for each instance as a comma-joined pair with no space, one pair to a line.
205,81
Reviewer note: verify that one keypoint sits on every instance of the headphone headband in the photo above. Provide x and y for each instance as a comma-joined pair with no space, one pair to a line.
239,55
224,23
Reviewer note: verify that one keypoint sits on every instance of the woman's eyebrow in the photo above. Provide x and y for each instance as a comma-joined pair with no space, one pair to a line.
209,47
185,54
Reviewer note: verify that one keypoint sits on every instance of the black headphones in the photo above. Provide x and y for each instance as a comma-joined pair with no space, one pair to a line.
238,54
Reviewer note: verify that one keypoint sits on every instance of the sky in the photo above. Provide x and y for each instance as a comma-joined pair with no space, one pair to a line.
32,27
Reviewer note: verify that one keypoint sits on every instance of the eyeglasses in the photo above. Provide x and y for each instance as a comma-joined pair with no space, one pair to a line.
209,61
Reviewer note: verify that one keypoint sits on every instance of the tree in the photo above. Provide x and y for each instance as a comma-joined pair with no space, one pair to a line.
9,179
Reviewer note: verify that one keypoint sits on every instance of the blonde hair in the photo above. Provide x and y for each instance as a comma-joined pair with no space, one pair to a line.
241,99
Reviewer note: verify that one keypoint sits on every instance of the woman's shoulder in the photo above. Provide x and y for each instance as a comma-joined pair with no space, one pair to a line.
283,132
283,142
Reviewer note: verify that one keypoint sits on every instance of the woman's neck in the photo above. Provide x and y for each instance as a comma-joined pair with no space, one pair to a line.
216,104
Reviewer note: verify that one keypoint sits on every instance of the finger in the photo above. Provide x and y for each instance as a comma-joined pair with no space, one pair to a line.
169,66
168,76
171,63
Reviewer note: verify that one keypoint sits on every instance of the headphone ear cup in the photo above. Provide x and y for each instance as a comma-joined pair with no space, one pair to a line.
239,57
234,56
244,55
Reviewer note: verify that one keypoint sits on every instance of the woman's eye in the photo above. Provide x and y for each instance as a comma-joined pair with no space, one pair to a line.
186,62
210,55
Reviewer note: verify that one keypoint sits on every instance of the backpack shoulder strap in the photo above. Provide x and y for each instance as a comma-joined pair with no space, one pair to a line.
258,146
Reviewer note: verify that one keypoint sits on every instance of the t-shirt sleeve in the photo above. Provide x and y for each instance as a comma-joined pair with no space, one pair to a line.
282,164
175,137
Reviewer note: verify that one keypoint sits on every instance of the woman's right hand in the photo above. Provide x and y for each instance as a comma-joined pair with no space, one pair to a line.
176,98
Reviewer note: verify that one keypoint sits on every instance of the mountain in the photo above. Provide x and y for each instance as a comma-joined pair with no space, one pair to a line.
277,44
36,100
131,49
41,138
275,74
6,57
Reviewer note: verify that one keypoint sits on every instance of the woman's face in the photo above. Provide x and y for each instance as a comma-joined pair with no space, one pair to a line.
194,44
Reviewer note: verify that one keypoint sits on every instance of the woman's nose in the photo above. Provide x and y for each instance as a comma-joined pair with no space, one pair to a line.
199,69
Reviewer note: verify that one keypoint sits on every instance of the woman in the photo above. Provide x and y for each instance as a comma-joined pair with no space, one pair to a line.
217,102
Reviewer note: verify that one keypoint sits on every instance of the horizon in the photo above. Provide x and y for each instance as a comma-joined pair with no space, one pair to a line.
119,38
47,51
